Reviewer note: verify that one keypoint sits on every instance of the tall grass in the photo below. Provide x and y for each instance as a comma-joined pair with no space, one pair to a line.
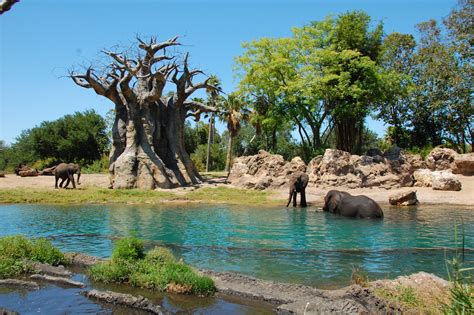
461,292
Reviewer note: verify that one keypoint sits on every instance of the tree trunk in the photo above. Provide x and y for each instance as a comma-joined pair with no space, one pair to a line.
228,160
209,141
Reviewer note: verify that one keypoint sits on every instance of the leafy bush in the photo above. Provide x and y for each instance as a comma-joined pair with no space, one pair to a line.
97,166
158,269
15,251
130,248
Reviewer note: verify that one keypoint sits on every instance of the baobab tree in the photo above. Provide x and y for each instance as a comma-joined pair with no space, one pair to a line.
148,132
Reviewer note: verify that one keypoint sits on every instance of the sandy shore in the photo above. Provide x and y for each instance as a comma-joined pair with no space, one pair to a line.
315,195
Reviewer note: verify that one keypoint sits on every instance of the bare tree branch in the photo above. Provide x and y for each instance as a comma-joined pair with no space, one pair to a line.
6,5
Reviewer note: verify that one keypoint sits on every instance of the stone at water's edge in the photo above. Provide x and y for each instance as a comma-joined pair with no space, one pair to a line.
4,311
138,302
50,270
15,283
407,198
58,280
82,260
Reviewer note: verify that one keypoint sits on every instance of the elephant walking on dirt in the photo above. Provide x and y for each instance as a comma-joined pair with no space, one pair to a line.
66,172
343,203
298,182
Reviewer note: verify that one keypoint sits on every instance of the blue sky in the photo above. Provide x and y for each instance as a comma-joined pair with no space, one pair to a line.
42,39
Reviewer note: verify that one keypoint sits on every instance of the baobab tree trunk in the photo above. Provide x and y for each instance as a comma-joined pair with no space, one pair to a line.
148,133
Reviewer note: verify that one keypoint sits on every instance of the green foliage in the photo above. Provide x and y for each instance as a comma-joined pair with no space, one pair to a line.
359,277
98,166
130,248
15,251
79,138
217,157
461,292
405,295
157,270
423,152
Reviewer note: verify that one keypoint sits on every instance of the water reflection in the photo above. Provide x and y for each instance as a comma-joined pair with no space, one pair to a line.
303,246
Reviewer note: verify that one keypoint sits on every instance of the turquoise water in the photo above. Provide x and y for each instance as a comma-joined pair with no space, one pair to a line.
301,246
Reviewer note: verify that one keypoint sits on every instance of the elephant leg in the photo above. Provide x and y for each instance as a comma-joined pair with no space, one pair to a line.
56,182
62,182
67,182
294,198
303,198
72,180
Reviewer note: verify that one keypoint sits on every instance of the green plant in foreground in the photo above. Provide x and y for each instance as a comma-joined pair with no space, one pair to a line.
359,277
16,251
158,269
402,294
461,292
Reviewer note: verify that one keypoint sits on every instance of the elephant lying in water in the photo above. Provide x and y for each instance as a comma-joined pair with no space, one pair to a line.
343,203
66,172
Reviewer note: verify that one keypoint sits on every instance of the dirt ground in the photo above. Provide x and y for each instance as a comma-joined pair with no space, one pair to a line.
315,195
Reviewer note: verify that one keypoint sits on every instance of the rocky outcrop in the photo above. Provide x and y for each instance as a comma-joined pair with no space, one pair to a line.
339,168
50,270
440,159
463,164
28,173
423,178
407,198
263,170
137,302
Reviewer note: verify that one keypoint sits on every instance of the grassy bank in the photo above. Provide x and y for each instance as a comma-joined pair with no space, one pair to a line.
94,195
16,253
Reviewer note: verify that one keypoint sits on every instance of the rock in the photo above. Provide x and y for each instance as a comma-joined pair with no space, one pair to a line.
50,270
445,180
82,260
138,302
15,283
416,161
4,311
423,178
28,173
407,198
2,174
374,152
58,280
463,164
394,153
263,170
440,159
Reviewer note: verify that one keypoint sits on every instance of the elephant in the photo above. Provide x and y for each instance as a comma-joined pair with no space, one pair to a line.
343,203
298,182
66,171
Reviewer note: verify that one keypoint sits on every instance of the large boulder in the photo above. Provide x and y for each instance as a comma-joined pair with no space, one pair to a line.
440,159
445,180
423,177
463,164
263,170
406,198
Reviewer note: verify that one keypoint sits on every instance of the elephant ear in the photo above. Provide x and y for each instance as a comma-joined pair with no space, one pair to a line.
333,202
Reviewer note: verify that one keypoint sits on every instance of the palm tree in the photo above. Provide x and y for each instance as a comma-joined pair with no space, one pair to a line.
213,98
233,113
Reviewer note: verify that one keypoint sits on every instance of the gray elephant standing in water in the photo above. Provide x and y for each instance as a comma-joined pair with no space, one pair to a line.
298,182
66,172
343,203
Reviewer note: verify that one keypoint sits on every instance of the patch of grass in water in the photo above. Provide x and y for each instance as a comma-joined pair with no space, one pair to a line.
158,269
16,251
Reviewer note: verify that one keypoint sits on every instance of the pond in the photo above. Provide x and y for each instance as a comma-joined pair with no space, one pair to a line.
277,243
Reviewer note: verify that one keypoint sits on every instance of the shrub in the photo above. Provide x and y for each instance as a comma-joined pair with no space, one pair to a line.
158,269
16,251
130,248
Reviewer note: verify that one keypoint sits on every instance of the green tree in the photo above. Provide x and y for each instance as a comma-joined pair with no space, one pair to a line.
327,69
80,138
394,108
